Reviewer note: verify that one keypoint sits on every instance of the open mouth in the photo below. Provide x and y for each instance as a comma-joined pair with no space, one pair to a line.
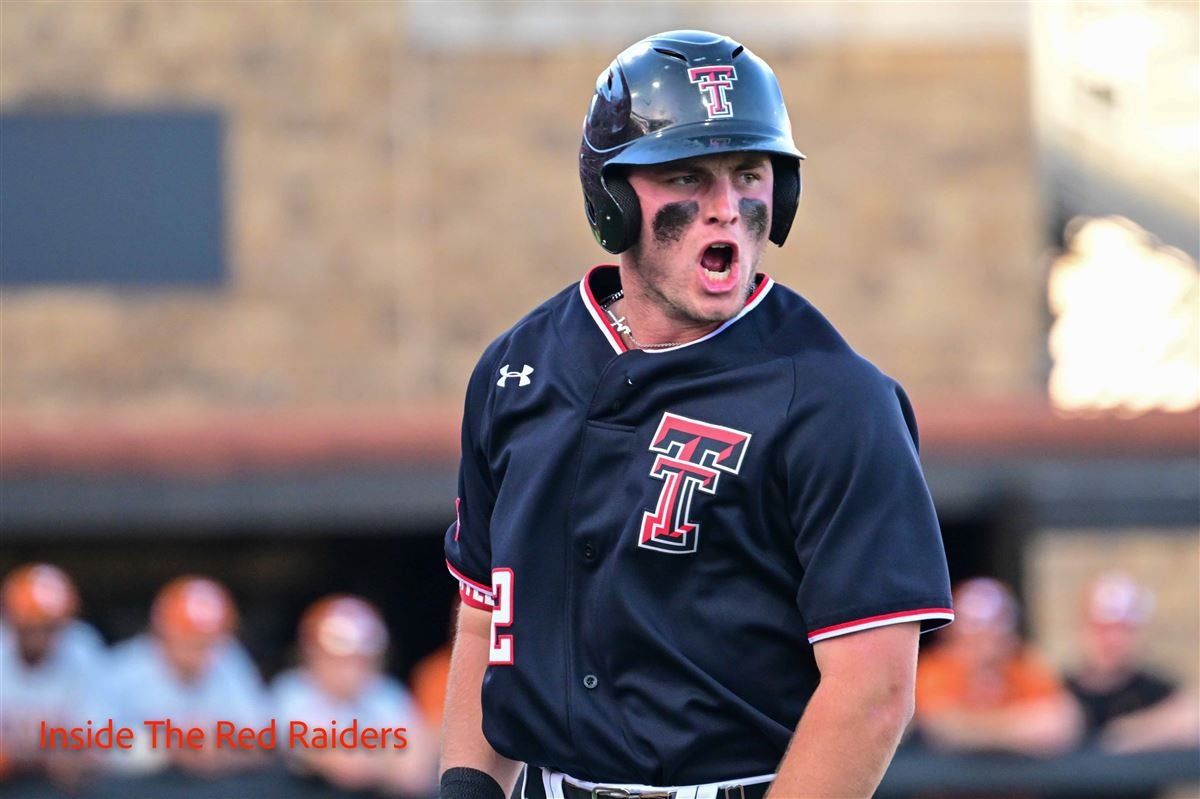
718,262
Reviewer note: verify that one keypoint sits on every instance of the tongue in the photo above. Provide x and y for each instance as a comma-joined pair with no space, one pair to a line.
715,260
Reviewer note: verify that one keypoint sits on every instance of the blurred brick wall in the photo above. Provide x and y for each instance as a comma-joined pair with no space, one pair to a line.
390,210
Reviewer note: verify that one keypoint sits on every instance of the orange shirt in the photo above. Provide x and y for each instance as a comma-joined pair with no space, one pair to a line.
945,681
428,681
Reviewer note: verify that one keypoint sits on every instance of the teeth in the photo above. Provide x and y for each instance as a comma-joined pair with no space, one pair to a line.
720,246
718,276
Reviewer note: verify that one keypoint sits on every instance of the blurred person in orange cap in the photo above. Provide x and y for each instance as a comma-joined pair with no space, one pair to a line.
191,669
985,690
1126,706
48,663
340,682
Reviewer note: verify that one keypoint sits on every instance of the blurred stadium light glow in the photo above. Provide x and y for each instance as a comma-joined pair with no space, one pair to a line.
1127,331
1116,96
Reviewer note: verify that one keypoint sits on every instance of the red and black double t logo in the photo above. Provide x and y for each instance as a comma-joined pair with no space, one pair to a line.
690,455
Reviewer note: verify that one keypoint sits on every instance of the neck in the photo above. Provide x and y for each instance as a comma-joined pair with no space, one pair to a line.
637,325
1100,679
646,314
33,659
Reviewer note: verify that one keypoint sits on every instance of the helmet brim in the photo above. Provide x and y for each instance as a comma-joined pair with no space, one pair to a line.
708,138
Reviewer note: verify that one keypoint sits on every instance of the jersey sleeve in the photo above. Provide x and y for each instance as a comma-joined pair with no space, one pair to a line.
468,543
867,536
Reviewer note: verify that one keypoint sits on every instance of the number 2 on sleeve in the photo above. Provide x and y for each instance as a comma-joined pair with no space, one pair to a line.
501,653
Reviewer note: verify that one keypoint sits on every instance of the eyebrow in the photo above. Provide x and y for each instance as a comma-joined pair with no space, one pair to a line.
753,161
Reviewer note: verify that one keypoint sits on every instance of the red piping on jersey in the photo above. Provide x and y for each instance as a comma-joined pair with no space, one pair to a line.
598,312
462,578
926,612
759,289
601,316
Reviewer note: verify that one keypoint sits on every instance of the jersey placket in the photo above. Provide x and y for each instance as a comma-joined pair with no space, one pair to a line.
605,444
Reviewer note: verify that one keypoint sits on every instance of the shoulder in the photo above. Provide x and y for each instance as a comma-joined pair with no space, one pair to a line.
232,660
1154,684
390,689
824,362
291,688
532,327
80,645
81,636
837,394
791,325
134,658
388,695
133,649
537,322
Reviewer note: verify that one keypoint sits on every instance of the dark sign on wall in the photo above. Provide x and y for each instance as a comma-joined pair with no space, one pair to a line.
115,198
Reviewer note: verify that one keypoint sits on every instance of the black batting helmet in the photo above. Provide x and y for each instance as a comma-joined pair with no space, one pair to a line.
679,95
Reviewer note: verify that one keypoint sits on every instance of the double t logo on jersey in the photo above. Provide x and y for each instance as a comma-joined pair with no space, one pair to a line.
691,455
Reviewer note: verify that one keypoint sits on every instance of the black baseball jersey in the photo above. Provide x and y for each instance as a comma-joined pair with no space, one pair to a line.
663,535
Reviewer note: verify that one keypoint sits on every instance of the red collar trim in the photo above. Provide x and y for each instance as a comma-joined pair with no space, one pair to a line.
600,316
598,313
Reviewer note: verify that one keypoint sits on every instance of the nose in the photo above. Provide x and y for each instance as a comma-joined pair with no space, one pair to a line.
722,202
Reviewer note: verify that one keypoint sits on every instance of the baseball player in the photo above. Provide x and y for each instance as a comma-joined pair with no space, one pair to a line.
693,538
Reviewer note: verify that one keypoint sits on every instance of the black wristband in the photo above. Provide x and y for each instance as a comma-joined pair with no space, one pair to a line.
469,783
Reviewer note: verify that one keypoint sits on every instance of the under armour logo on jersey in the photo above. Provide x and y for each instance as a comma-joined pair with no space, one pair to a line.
526,371
713,82
691,455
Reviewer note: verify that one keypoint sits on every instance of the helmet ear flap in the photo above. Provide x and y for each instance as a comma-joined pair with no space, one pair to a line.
786,197
628,224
